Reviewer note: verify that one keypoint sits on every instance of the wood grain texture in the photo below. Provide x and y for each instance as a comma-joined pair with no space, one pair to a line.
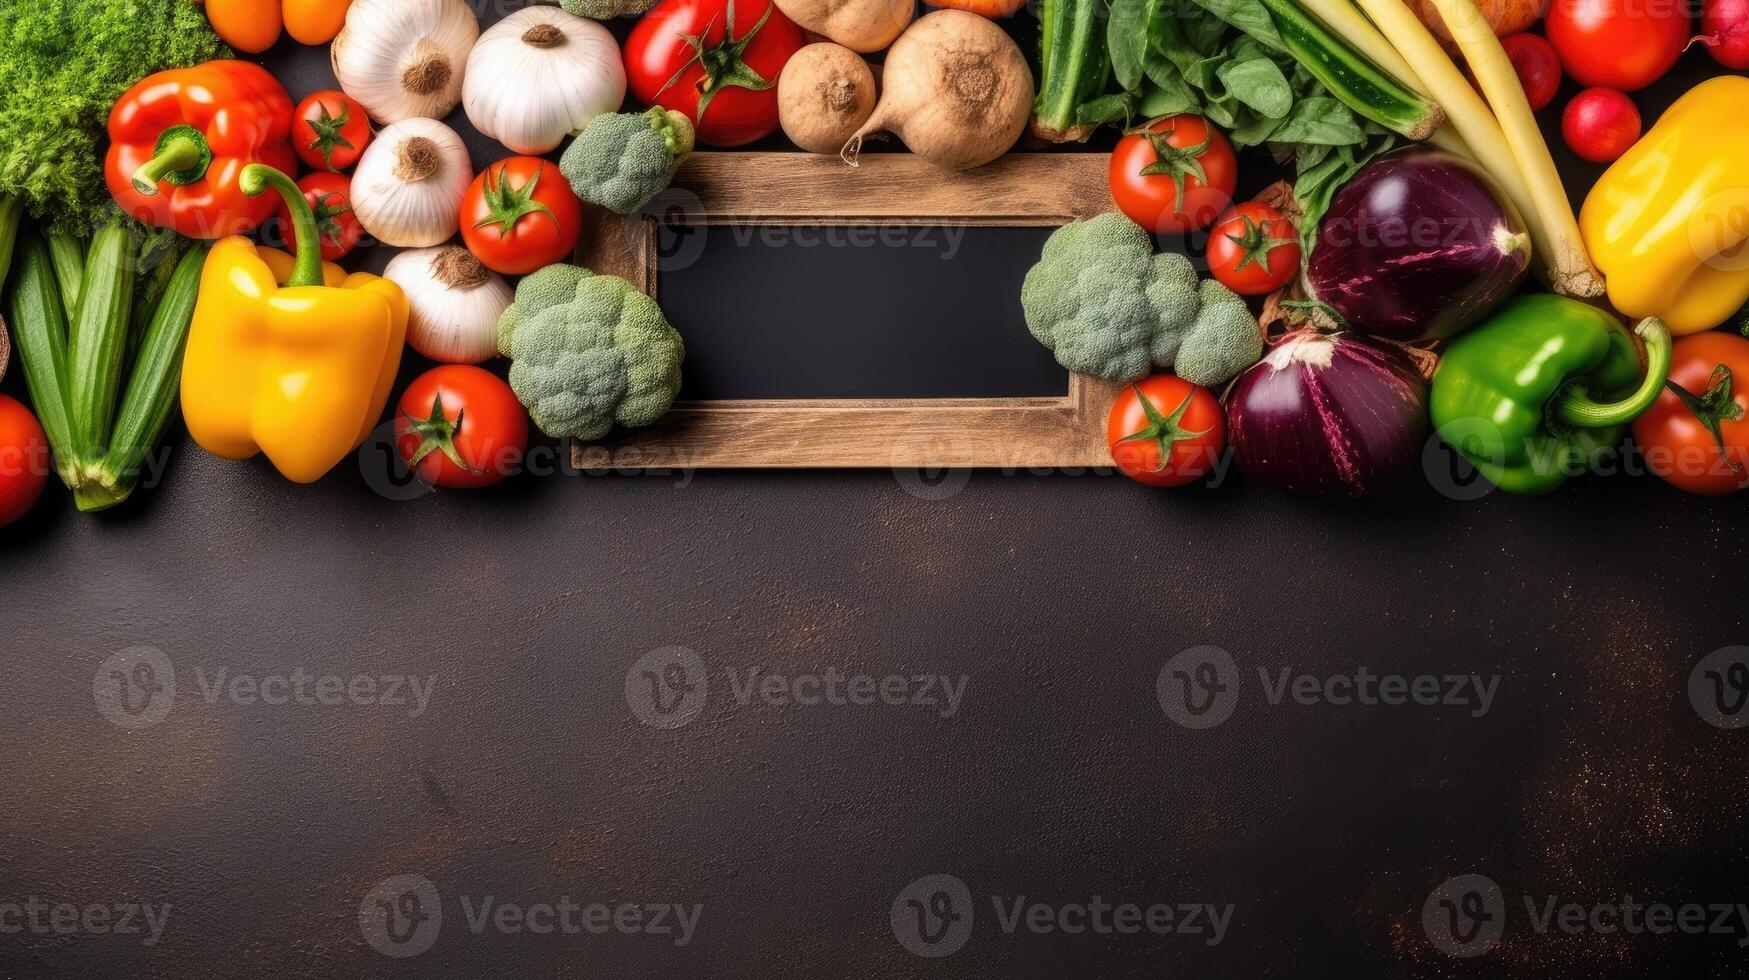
1026,189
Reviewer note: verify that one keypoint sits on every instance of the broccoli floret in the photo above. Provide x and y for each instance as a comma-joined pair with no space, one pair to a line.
1106,305
588,352
624,159
1223,340
607,9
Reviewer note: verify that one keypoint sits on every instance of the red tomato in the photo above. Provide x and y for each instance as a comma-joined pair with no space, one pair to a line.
1677,433
24,460
331,131
1538,67
1254,250
520,215
1165,431
1600,124
330,196
1176,175
1619,44
461,426
680,57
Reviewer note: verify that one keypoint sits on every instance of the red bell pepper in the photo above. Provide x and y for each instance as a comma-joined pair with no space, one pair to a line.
179,141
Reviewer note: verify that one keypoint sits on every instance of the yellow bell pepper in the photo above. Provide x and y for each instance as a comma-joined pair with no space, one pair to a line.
289,357
1668,221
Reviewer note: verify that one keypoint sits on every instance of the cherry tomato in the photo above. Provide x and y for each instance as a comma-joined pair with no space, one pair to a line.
24,460
1254,250
1699,440
461,426
680,56
520,215
1537,65
1619,44
1176,175
331,131
1600,124
330,196
1165,431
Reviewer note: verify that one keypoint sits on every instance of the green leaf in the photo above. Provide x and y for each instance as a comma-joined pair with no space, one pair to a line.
1259,84
1114,108
1257,130
1249,16
1127,39
1158,101
1320,119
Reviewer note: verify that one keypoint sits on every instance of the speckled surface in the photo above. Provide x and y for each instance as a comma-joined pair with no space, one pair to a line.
1057,598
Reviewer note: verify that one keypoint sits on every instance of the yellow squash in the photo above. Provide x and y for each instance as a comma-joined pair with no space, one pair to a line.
291,358
1668,222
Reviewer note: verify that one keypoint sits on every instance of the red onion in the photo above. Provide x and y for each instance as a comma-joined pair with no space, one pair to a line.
1418,246
1328,415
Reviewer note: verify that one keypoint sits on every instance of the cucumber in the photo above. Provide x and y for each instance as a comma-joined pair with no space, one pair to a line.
154,385
1074,64
97,340
1350,76
39,331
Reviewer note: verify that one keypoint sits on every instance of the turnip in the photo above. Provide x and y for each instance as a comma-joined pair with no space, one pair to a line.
860,25
826,93
955,89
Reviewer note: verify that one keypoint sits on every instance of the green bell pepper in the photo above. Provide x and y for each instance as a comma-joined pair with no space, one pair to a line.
1517,395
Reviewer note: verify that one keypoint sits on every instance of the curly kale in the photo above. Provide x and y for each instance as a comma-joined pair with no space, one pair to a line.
63,63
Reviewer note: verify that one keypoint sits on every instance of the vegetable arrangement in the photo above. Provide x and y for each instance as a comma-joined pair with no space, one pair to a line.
1422,272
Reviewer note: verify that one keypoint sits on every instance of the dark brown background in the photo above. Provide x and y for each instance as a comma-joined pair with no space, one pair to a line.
1059,595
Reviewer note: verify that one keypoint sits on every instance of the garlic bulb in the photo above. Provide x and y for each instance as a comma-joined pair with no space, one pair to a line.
408,188
405,58
453,302
539,75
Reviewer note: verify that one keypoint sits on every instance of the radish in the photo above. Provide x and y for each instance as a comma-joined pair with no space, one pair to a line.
955,89
1724,29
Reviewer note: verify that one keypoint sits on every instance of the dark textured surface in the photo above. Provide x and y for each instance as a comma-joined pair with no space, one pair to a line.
1059,597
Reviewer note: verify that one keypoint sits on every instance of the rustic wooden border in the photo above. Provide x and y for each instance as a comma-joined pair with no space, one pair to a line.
1026,189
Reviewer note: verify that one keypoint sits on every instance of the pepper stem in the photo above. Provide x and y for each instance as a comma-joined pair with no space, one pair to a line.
181,157
254,181
1576,407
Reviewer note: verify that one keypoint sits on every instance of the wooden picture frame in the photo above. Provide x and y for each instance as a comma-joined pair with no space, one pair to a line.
1018,190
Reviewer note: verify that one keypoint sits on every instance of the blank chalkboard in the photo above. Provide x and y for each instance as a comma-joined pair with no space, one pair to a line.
854,311
867,316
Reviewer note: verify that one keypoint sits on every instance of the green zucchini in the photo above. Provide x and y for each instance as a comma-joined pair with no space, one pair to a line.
39,331
97,340
1350,76
153,387
11,216
1074,65
68,254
